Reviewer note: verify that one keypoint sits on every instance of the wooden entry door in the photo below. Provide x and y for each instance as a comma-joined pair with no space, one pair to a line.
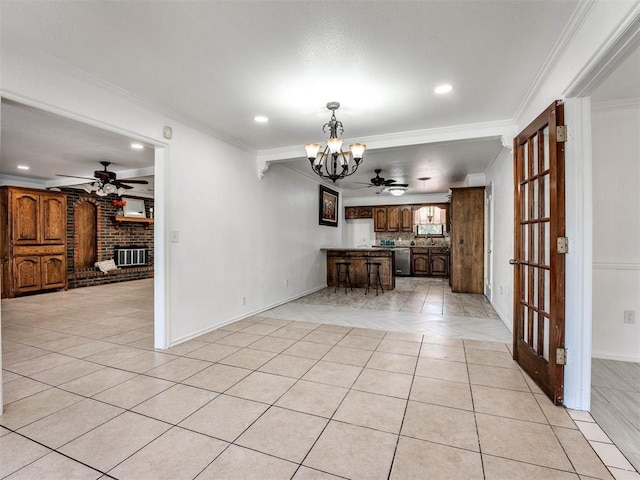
539,276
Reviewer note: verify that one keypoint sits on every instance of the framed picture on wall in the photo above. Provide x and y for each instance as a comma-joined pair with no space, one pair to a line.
328,206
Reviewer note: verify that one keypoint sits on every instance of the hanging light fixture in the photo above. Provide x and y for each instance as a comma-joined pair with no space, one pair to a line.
332,162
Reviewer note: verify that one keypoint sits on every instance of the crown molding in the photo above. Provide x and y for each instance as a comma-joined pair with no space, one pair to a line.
622,41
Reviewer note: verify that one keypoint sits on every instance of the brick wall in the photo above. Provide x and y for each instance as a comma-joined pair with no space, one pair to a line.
109,236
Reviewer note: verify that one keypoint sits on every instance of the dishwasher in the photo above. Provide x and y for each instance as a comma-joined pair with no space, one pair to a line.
403,261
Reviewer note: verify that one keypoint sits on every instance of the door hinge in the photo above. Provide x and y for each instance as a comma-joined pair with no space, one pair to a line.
563,244
561,133
561,356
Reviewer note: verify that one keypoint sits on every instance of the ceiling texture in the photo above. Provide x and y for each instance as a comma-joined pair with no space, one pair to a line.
217,64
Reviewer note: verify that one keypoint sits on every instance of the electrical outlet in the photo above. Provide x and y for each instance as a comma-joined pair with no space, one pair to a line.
629,316
286,282
244,301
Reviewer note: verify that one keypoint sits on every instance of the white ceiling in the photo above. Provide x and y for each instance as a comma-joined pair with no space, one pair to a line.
220,63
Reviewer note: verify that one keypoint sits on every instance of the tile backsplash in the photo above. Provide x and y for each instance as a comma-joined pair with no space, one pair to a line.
405,238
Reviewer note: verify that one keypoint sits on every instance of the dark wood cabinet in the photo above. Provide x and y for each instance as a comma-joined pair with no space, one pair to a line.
430,261
352,213
34,247
467,240
439,264
386,219
393,219
406,218
380,219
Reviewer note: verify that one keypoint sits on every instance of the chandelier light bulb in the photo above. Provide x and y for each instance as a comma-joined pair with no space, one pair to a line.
312,149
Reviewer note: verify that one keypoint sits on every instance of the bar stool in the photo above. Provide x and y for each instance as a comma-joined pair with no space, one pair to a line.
347,276
377,281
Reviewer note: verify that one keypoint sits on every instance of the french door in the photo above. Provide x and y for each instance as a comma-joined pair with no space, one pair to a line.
539,246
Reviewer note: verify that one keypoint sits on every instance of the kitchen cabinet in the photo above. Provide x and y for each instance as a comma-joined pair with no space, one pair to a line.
352,213
386,219
467,240
380,219
34,248
430,261
406,218
393,219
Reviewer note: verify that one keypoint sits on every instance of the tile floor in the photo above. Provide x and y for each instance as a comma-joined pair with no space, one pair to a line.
270,398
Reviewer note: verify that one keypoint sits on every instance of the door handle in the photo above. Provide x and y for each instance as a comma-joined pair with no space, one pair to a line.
513,261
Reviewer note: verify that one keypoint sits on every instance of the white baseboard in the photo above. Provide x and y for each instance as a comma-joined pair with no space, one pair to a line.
243,315
613,356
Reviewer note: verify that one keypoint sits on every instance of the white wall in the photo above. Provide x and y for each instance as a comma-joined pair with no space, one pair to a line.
238,236
500,174
616,230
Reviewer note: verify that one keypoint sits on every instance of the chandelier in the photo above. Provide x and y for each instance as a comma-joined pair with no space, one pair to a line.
332,162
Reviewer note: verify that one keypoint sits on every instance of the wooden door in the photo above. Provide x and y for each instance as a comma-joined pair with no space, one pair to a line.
380,219
539,221
54,218
25,208
393,219
85,254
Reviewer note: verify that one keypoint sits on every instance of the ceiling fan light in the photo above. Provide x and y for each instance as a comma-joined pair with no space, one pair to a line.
312,150
357,150
109,188
335,144
88,187
101,193
396,190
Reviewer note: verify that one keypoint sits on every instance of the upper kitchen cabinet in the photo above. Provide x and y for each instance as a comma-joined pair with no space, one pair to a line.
390,218
467,240
34,248
352,213
406,218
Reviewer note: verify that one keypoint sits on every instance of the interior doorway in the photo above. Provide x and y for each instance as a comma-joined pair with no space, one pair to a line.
20,121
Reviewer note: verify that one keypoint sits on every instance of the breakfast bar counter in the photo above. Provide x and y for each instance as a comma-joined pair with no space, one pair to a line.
358,257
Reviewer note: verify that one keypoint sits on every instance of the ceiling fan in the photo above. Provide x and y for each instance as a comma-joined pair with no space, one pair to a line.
105,182
381,184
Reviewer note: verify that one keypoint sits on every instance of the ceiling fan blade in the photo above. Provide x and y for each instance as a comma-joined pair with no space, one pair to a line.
74,176
141,182
389,182
363,183
119,184
399,185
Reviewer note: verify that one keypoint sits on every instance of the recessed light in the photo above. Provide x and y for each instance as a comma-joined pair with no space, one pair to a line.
137,146
440,89
261,119
23,167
